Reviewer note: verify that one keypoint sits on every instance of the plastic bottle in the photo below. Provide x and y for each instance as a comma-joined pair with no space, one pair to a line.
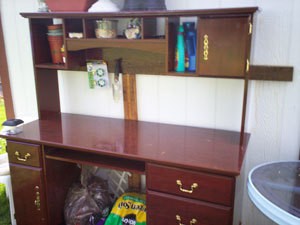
63,54
180,51
190,43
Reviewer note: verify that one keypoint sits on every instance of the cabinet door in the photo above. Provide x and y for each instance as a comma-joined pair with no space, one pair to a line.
224,46
28,193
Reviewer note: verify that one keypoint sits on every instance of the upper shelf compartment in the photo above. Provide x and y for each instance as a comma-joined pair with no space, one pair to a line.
221,46
132,33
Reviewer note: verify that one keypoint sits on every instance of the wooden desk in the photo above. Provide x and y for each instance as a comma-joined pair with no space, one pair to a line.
172,157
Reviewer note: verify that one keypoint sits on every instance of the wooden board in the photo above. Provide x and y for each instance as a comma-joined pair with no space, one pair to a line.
130,112
271,73
129,97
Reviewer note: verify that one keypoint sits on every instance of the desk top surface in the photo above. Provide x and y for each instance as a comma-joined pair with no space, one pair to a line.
203,149
275,190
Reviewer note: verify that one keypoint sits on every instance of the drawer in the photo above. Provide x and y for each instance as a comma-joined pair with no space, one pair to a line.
168,209
197,185
23,153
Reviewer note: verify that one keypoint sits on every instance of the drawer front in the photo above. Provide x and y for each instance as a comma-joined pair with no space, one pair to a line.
168,209
23,153
191,184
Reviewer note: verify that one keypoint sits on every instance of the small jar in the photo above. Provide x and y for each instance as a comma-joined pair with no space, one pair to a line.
106,28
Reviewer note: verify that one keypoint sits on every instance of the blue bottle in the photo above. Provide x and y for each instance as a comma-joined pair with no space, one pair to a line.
191,44
180,51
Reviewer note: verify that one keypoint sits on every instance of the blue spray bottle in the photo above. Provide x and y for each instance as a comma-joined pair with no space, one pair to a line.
180,51
190,44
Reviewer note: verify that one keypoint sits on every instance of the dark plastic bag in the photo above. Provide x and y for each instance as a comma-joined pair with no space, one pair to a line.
79,206
98,190
87,201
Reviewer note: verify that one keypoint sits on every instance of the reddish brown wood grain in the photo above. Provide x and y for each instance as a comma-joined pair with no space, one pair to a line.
271,73
216,151
34,150
227,45
24,182
9,108
164,209
47,92
211,187
131,14
129,96
210,157
59,176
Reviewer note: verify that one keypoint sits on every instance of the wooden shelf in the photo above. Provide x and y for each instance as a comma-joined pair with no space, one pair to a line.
182,74
96,160
150,45
51,66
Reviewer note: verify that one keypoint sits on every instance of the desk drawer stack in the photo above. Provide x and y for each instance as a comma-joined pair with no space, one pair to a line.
181,196
26,170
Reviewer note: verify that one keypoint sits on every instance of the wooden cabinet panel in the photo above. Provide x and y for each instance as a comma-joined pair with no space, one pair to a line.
23,153
223,45
27,191
168,209
210,187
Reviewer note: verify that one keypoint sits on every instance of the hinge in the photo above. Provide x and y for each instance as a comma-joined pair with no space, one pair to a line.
250,28
247,66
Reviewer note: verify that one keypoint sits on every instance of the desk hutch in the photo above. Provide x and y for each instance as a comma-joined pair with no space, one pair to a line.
190,171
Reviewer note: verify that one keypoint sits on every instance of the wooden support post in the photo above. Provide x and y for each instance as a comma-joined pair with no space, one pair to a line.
9,108
130,113
244,111
129,97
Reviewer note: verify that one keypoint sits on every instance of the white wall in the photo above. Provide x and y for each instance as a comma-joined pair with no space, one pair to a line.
18,52
274,107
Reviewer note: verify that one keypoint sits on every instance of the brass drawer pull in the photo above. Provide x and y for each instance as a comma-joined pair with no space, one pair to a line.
20,158
205,47
192,221
247,66
37,200
193,186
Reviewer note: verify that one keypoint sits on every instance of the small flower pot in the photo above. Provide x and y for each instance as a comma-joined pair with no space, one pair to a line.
69,5
56,43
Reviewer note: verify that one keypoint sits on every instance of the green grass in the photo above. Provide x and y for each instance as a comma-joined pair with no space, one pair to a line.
4,202
4,209
2,119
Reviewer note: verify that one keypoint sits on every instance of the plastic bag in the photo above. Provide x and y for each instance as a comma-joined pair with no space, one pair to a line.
129,209
98,190
79,206
87,202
